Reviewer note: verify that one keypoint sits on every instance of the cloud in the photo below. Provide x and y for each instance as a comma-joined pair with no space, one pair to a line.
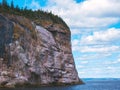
116,61
80,73
90,13
97,49
35,5
94,56
97,8
106,41
109,67
100,49
75,42
99,37
80,66
84,62
75,32
112,69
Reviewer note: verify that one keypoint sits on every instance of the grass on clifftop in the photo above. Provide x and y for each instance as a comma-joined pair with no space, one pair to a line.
40,17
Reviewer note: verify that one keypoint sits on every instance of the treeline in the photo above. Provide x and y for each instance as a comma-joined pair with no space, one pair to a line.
38,16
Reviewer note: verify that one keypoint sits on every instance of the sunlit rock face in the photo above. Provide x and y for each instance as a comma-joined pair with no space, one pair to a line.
34,55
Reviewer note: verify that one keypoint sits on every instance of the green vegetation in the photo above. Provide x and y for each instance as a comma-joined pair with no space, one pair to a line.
39,17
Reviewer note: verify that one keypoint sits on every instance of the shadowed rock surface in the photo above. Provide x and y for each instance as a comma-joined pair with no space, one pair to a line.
35,55
6,31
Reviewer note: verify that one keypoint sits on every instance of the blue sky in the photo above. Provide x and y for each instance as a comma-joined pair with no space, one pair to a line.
95,27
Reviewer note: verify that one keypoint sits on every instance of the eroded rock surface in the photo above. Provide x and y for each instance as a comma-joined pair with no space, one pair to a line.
42,57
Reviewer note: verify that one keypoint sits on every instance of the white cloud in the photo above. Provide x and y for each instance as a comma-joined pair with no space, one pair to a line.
35,5
79,66
97,49
75,42
112,69
109,67
105,8
116,61
90,13
75,32
100,37
81,73
100,49
84,62
94,56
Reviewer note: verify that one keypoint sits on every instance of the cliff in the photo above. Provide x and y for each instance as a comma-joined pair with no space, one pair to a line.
34,54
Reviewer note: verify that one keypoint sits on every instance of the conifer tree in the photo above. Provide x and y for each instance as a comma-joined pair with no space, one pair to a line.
12,4
4,3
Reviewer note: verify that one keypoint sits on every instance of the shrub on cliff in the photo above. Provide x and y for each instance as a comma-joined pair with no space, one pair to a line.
39,17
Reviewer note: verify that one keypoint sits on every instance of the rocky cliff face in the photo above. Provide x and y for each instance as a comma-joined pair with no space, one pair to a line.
35,55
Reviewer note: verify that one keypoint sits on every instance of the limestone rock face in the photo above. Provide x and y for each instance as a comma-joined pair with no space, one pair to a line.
37,56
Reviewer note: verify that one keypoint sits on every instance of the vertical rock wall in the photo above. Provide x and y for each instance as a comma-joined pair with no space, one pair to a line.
45,60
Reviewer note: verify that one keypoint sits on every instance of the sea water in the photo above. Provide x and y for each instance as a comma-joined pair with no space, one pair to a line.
94,84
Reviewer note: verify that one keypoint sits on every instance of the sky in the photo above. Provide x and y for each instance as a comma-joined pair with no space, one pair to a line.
95,33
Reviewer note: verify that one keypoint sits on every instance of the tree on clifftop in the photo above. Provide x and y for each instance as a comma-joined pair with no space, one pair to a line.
4,3
12,4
